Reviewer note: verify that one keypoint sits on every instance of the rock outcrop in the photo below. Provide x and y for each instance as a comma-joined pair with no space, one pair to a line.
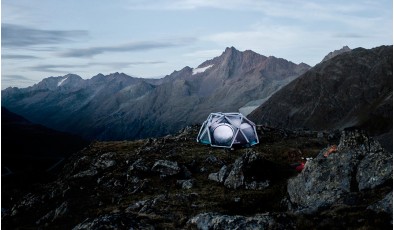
166,168
358,164
236,176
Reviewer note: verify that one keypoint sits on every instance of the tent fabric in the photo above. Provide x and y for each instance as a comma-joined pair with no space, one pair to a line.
228,130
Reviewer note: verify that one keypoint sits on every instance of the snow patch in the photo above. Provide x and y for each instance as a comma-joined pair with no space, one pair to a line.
201,69
61,81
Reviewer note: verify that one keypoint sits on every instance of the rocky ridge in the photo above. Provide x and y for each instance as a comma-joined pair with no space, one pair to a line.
174,182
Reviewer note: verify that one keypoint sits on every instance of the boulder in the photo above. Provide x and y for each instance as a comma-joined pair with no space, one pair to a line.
236,176
166,168
86,173
139,165
219,176
105,161
358,163
185,184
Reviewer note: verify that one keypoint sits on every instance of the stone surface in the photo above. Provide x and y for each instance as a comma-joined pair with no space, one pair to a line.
186,184
139,165
219,176
208,221
112,221
234,176
166,168
105,161
359,163
254,185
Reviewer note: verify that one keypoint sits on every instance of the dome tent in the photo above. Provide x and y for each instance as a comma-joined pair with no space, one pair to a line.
228,130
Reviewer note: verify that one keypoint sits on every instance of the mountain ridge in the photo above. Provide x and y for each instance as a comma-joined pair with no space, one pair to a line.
118,106
350,89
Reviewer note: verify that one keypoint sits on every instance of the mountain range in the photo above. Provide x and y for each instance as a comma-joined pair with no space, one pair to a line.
118,107
349,88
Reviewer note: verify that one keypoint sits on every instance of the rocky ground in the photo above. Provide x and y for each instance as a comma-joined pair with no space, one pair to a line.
176,183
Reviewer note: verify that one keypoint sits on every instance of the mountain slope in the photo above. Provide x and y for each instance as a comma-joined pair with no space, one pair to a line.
31,153
72,104
351,89
118,107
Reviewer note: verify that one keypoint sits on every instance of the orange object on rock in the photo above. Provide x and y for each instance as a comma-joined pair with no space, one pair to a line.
332,149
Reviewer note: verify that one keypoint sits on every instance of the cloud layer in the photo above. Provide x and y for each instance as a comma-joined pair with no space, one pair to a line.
130,47
21,36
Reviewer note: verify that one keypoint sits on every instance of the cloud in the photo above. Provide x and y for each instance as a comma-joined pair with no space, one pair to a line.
349,12
9,80
121,65
17,56
129,47
204,53
349,35
195,4
52,68
21,36
15,77
66,68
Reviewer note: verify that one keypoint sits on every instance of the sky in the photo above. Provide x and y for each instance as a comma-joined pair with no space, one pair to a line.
151,39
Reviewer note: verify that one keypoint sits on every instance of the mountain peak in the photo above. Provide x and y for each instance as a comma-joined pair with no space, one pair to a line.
70,81
51,83
230,49
336,52
117,74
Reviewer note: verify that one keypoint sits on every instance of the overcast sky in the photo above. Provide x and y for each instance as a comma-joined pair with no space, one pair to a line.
153,38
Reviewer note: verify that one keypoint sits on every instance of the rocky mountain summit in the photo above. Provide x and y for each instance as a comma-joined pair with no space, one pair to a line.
336,52
174,182
119,107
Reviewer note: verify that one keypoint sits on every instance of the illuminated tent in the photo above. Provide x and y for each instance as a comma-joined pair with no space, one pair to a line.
228,130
